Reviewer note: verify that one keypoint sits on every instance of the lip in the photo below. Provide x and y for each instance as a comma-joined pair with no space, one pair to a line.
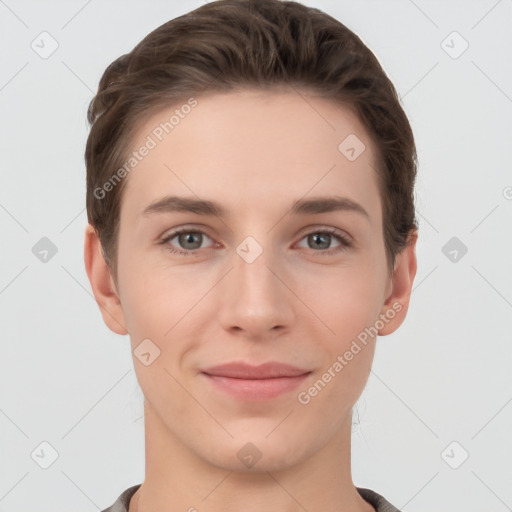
256,383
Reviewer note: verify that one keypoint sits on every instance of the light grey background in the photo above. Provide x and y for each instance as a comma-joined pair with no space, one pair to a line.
444,376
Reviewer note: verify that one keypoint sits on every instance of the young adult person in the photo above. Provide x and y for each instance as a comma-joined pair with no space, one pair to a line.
250,176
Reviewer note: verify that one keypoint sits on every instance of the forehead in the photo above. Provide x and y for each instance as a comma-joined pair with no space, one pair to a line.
250,146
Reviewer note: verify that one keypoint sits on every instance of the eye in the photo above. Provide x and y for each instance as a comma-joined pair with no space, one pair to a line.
321,239
189,239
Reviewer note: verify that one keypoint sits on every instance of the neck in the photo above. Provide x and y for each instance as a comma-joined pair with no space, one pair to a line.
178,479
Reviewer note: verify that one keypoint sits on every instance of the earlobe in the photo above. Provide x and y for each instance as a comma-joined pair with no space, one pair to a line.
102,283
397,302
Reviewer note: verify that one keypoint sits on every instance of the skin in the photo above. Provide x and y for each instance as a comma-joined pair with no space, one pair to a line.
255,153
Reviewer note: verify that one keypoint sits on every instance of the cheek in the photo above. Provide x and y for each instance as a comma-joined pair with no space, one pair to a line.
153,295
159,298
345,299
156,308
348,307
159,301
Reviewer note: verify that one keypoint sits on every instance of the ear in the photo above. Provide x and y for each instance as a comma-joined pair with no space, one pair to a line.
102,283
394,309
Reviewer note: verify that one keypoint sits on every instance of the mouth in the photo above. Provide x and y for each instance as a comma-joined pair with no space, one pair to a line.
255,383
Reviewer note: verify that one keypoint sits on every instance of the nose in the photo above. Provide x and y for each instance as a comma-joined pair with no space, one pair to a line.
255,298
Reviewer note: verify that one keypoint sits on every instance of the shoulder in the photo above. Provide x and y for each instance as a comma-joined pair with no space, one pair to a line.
123,502
379,503
376,500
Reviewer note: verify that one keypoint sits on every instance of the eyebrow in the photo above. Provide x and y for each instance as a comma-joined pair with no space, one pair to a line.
315,205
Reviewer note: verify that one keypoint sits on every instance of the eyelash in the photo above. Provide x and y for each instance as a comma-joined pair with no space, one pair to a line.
344,240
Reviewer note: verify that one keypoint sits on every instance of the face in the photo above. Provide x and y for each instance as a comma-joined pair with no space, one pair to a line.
261,279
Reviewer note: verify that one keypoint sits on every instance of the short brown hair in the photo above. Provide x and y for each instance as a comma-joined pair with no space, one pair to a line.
229,44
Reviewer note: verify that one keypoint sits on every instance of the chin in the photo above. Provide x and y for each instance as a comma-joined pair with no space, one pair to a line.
254,454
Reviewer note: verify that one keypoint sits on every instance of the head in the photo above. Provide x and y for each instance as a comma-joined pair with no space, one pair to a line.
253,106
